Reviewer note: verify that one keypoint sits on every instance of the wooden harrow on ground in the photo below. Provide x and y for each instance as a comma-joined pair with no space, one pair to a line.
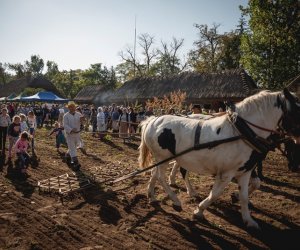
69,184
65,184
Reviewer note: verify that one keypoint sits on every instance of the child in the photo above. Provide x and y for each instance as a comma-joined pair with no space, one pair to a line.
21,148
59,135
4,123
31,119
23,123
14,130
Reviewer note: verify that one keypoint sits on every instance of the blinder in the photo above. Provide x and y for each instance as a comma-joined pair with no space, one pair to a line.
290,120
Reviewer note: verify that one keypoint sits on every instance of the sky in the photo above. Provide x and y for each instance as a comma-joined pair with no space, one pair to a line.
78,33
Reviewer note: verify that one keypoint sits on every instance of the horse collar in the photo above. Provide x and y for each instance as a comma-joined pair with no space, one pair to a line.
259,144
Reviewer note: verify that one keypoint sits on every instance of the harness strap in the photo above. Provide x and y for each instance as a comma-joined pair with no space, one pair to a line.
197,134
198,146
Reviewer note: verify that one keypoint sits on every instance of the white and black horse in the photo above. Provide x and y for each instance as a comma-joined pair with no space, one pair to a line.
166,136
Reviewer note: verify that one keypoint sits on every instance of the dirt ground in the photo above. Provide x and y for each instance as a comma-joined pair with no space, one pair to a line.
120,217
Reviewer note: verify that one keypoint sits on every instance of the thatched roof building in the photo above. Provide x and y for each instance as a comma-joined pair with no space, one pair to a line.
92,94
205,88
18,86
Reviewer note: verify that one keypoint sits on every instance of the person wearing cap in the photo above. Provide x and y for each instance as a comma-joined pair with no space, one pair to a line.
196,109
72,121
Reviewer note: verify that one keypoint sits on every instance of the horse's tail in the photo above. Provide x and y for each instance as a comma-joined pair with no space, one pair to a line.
145,157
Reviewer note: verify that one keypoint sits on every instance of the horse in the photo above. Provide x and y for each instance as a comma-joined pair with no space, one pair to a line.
291,151
228,155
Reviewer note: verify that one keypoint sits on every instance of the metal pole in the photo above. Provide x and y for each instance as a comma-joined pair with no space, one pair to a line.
134,46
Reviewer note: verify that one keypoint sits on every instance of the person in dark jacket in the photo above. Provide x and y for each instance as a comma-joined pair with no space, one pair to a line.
14,130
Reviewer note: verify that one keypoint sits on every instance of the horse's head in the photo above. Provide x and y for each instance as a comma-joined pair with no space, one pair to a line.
290,106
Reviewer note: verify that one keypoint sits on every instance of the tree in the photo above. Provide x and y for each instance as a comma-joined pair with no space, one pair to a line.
230,51
52,69
205,57
271,49
168,62
139,67
124,71
96,75
35,66
146,41
18,68
5,77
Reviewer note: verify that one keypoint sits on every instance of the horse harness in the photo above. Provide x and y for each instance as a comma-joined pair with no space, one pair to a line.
259,144
256,142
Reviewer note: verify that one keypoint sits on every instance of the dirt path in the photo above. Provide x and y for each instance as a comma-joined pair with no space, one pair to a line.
122,218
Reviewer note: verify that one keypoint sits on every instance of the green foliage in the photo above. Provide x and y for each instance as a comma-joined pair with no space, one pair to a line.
270,50
52,69
205,57
20,70
69,83
5,76
230,51
35,66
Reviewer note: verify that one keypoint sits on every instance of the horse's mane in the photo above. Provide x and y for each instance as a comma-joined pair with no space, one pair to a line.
257,102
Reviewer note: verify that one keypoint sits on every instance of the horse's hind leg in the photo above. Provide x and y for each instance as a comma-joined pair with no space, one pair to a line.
243,182
254,184
151,185
173,173
185,175
220,183
162,179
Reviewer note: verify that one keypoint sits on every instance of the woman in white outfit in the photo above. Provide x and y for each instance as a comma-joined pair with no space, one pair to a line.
101,126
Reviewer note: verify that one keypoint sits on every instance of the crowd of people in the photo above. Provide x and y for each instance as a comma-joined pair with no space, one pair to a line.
19,121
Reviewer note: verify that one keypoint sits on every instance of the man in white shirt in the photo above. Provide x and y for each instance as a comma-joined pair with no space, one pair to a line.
72,121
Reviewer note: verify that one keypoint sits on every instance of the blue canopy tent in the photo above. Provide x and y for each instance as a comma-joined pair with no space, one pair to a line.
19,97
43,96
8,98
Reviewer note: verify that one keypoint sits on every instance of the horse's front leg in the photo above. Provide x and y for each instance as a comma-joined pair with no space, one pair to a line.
243,182
220,183
162,179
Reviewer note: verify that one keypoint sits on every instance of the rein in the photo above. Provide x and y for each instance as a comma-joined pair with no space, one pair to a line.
197,146
262,128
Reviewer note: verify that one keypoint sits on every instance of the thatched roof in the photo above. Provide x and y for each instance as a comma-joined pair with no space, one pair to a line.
18,86
89,93
205,87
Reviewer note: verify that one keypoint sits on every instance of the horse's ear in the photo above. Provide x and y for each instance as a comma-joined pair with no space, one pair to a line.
288,95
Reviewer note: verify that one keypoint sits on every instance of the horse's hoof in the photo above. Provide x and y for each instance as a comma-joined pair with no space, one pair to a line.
177,208
198,215
153,201
192,194
234,198
174,185
252,225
